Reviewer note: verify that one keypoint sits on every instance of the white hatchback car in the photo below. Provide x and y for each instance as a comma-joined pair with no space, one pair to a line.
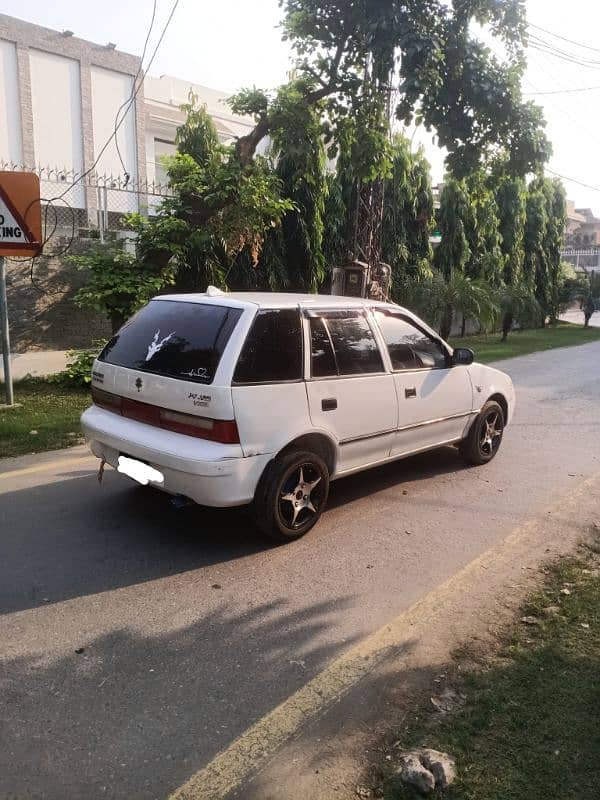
263,399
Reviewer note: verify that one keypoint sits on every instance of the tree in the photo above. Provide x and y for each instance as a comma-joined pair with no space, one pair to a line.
349,52
486,261
237,208
589,308
453,252
448,79
510,198
544,231
557,218
299,153
119,283
431,297
535,267
517,304
408,215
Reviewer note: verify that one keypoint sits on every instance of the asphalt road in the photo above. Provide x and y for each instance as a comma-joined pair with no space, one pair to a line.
190,629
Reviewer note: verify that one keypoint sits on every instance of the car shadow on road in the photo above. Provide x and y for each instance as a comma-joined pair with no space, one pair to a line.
133,713
72,538
424,466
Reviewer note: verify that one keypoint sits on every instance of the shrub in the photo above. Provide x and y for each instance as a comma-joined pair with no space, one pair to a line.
79,366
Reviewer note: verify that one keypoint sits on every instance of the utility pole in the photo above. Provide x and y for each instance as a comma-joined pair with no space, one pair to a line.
4,334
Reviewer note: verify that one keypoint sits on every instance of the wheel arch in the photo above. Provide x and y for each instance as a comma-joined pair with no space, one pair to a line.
502,402
315,442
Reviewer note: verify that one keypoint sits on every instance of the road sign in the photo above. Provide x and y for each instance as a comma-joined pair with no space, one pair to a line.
20,214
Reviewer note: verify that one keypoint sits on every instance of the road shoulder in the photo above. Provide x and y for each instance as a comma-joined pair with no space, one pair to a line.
329,755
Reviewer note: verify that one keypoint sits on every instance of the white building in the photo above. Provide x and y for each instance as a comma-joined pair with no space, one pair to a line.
60,99
163,98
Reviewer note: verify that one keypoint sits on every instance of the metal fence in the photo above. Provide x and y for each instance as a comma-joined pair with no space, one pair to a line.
90,202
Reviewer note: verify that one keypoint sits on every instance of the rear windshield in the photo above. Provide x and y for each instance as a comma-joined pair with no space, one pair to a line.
174,339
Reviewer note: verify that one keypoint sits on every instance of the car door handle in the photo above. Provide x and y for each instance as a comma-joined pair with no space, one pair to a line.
329,404
411,392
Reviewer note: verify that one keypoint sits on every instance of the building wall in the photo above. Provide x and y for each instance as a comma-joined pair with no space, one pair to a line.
163,98
42,313
54,104
56,109
11,146
111,95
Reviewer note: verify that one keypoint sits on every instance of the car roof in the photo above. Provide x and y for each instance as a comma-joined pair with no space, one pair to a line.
274,299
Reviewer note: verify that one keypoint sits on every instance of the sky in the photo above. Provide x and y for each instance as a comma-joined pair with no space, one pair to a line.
227,44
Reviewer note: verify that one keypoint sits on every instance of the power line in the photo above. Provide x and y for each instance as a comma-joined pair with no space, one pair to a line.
573,180
131,101
571,58
133,85
564,38
564,91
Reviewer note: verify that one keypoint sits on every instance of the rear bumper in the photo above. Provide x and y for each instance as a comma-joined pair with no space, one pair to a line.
209,473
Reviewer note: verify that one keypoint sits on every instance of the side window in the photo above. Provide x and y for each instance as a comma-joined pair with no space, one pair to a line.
322,357
409,347
272,350
343,344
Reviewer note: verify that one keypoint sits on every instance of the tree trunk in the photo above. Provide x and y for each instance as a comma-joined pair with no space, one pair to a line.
446,323
507,322
117,320
586,318
463,327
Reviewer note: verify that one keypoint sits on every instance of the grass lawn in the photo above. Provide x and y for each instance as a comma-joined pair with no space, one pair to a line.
488,347
529,728
47,418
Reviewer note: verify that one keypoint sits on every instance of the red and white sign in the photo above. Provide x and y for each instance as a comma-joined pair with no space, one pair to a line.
20,214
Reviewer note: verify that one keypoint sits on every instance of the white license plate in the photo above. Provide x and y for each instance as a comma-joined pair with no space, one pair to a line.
140,472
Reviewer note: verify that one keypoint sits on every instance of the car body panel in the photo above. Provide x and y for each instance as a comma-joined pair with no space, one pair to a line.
434,405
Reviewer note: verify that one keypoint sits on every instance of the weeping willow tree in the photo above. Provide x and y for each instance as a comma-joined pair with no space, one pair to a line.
408,216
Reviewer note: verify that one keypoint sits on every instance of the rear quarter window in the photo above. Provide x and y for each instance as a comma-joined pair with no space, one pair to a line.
272,351
174,339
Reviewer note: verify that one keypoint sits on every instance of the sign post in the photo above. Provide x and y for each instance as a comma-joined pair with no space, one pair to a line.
20,235
8,387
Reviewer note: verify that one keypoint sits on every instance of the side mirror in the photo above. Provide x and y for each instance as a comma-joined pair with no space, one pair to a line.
463,356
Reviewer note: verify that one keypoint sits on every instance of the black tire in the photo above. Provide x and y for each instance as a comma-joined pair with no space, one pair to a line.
304,478
485,435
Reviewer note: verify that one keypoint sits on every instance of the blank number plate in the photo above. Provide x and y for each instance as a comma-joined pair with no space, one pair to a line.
140,472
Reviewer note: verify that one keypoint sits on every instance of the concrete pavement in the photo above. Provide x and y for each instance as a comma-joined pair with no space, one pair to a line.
137,642
36,363
577,317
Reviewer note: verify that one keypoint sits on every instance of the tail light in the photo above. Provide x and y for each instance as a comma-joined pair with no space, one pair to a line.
107,400
214,430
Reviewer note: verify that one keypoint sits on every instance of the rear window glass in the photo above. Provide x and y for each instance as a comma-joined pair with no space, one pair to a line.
273,349
174,339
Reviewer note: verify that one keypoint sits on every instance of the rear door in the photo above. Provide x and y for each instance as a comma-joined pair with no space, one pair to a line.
350,393
435,399
268,387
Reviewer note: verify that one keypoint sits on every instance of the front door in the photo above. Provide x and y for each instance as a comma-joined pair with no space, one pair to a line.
435,399
349,392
